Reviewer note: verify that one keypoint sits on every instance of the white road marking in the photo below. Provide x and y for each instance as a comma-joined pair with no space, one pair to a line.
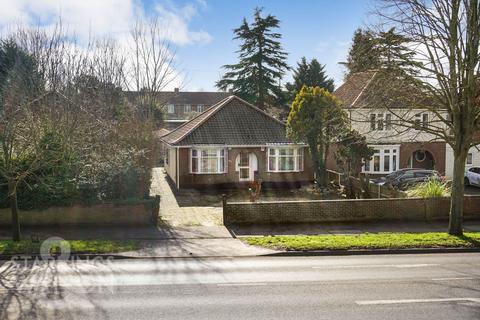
405,301
399,266
241,284
451,279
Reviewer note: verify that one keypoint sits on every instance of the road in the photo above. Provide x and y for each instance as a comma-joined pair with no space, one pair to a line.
430,286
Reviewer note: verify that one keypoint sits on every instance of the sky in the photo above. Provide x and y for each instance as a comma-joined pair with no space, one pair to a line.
201,31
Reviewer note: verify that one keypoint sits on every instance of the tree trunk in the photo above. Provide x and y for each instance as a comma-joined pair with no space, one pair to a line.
12,196
455,226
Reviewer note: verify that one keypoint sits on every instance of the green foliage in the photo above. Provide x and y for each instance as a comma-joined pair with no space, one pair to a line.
368,241
262,62
352,150
317,118
363,54
311,74
433,188
373,51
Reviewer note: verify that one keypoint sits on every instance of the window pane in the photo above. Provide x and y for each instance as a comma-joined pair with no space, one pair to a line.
372,121
394,162
194,153
388,121
271,152
469,158
243,159
380,122
300,159
272,164
221,164
367,166
386,163
376,163
194,164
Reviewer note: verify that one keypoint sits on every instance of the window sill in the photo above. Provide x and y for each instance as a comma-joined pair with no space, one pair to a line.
205,173
288,171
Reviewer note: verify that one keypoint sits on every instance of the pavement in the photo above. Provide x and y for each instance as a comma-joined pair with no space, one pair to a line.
427,286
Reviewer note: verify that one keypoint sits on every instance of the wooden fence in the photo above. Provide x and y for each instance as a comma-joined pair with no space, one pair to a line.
376,191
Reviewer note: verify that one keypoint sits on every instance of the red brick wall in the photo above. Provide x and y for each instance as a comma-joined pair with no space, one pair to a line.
188,180
437,149
357,210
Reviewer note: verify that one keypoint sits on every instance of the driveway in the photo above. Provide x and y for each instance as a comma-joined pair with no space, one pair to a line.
174,215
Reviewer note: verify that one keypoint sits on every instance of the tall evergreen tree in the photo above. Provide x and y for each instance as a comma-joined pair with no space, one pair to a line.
363,54
311,74
262,62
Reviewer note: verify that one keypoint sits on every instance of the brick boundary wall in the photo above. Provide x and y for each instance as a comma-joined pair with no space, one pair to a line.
143,213
351,210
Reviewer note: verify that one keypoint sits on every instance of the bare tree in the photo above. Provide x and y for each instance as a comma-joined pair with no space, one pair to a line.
151,63
439,74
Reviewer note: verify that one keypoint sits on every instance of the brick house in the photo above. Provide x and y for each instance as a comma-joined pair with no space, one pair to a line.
395,147
232,144
181,106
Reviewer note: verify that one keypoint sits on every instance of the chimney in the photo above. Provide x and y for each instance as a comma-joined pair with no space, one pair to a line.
176,90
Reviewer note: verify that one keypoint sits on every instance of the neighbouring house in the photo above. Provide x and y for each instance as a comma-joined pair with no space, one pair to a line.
473,158
232,144
181,106
395,147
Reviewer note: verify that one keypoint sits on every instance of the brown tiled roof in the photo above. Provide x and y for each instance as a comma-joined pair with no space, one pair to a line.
232,121
377,89
186,97
161,132
351,92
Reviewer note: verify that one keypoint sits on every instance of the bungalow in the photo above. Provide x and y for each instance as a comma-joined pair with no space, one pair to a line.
232,144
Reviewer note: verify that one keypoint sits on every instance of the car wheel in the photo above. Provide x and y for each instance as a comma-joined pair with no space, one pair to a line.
466,181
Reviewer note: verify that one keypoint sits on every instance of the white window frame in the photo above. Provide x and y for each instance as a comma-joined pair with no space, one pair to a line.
421,120
469,160
298,155
392,151
198,158
187,108
380,119
200,108
171,108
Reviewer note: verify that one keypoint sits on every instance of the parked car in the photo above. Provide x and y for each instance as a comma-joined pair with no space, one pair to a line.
472,177
404,178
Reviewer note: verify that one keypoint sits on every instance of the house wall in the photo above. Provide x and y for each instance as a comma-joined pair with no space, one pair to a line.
437,149
171,166
360,119
188,180
357,210
450,159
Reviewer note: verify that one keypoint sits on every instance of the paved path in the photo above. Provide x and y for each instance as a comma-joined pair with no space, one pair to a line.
440,286
174,215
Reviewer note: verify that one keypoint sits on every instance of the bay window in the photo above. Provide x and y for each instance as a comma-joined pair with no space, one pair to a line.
285,159
207,160
384,160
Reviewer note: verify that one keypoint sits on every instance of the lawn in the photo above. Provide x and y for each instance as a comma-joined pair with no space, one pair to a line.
76,246
367,241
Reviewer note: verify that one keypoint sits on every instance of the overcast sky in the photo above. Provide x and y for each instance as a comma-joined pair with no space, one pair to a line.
202,29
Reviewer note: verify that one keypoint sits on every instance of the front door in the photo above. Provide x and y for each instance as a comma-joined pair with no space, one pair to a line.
244,171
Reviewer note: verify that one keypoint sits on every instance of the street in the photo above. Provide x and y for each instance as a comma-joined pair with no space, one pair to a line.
427,286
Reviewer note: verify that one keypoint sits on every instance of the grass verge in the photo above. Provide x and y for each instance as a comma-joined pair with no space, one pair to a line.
367,241
76,246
